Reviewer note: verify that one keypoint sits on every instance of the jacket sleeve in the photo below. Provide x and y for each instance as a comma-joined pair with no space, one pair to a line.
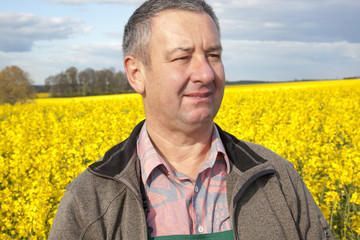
67,223
311,222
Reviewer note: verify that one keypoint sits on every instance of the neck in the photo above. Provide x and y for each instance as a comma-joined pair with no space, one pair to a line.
184,151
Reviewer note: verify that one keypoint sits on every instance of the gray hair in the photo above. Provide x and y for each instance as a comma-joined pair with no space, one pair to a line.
137,31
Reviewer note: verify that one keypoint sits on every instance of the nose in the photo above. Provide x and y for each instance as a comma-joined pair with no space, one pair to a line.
202,71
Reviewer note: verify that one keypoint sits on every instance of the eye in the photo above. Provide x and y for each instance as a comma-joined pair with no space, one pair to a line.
182,58
214,56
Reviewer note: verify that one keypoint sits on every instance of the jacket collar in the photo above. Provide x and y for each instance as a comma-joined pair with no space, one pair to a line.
118,157
239,150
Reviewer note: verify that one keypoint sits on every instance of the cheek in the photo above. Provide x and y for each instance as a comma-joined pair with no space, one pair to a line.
219,73
167,81
173,82
220,80
163,89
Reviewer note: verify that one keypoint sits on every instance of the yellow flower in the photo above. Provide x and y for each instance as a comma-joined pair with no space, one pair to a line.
315,125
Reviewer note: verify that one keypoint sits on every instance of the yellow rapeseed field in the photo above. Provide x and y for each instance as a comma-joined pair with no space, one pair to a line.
315,125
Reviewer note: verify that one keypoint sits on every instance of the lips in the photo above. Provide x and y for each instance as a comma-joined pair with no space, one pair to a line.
198,95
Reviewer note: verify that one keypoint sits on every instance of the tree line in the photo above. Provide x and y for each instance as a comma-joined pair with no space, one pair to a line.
15,86
88,82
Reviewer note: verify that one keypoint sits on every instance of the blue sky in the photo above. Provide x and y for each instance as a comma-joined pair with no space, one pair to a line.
272,40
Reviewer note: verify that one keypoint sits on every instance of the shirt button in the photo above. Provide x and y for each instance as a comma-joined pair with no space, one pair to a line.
196,189
200,229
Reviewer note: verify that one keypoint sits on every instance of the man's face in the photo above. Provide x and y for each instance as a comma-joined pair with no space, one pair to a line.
184,85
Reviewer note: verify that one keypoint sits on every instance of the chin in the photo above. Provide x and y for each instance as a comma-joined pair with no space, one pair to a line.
200,120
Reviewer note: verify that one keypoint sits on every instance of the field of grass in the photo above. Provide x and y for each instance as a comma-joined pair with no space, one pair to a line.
42,95
315,125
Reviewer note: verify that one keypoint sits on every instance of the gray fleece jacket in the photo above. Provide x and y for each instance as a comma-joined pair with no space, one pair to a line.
266,196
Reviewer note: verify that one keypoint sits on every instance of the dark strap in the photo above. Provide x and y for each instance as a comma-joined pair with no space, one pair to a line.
145,205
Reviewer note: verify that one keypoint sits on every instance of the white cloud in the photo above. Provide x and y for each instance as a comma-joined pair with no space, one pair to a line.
287,60
19,31
110,48
50,59
96,55
88,29
262,39
283,20
273,25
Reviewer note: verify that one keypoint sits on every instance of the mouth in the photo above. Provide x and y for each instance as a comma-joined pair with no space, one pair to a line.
199,95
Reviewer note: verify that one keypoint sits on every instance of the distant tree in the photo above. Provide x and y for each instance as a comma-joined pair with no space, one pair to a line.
113,86
124,86
62,84
102,79
48,83
64,87
51,82
15,86
87,79
72,76
88,82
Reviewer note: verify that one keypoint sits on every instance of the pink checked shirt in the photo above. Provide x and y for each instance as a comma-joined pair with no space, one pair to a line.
179,205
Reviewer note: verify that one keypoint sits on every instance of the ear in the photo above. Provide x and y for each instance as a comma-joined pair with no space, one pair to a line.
134,71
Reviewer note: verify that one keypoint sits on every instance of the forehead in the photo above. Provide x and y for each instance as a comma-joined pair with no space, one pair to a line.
173,13
180,25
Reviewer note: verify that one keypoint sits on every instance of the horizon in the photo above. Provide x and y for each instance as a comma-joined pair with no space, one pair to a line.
246,82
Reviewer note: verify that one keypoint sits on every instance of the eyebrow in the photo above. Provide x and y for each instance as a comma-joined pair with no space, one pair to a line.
214,48
179,49
190,49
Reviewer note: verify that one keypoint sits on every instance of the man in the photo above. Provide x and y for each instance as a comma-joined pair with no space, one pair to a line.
178,175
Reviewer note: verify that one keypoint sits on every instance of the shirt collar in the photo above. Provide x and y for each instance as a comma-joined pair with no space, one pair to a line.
150,159
217,151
